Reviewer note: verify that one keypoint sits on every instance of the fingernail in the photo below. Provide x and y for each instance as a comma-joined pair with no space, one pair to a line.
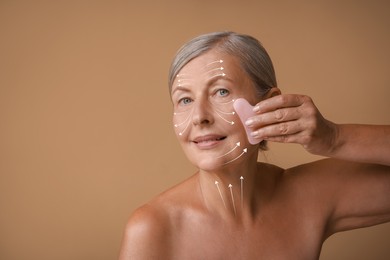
254,133
249,122
256,109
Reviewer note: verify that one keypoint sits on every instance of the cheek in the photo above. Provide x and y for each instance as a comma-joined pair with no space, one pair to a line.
238,133
181,121
224,112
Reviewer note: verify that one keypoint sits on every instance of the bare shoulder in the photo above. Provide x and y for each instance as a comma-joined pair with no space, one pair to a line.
148,219
150,228
320,172
308,184
144,234
345,194
312,171
319,177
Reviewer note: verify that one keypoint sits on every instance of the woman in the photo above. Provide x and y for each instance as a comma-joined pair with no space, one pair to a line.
235,207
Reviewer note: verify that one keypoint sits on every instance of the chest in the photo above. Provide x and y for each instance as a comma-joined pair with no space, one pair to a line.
270,237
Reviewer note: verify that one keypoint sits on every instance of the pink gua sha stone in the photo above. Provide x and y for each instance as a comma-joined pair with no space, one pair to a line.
245,111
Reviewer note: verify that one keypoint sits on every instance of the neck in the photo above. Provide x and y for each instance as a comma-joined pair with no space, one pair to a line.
230,192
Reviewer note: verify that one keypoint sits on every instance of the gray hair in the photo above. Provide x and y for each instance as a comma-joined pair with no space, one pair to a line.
253,58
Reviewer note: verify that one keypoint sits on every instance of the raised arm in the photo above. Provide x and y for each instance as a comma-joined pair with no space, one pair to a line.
363,143
295,119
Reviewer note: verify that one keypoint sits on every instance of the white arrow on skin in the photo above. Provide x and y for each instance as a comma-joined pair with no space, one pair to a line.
231,194
234,148
245,150
220,193
242,191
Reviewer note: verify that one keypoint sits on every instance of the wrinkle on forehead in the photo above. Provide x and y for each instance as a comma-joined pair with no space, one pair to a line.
205,72
210,67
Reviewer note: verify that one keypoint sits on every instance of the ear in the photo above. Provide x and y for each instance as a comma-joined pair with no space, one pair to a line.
272,92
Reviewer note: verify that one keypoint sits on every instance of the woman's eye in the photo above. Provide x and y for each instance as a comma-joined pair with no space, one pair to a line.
185,101
223,92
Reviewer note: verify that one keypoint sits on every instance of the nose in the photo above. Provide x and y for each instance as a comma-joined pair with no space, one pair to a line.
202,113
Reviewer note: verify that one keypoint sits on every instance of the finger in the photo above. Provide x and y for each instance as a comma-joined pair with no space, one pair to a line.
299,138
280,101
277,130
284,139
269,118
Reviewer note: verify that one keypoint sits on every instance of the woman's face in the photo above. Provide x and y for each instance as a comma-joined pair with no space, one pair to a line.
206,125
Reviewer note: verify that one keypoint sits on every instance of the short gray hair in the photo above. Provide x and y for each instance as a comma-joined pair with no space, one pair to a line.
253,58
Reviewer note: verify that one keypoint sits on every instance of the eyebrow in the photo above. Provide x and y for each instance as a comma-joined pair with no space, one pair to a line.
179,88
211,81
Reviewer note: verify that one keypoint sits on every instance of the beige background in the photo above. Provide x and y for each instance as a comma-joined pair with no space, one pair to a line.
85,116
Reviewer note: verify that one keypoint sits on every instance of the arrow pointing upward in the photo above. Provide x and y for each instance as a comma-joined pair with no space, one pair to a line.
220,193
242,192
231,194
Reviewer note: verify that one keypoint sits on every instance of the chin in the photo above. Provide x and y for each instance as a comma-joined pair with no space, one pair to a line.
215,160
209,164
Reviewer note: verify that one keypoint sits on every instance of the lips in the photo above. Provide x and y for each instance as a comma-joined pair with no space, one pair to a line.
208,141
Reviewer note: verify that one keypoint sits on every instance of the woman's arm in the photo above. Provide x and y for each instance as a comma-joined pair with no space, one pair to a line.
347,195
363,143
360,195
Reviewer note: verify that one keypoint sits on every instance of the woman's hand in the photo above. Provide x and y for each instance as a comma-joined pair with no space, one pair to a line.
293,119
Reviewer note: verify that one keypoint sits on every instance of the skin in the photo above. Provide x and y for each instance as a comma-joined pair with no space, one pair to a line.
286,213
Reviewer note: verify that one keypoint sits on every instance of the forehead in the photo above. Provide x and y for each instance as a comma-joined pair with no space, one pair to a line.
210,61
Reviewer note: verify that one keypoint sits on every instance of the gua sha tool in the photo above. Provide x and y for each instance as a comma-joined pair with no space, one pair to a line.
244,111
